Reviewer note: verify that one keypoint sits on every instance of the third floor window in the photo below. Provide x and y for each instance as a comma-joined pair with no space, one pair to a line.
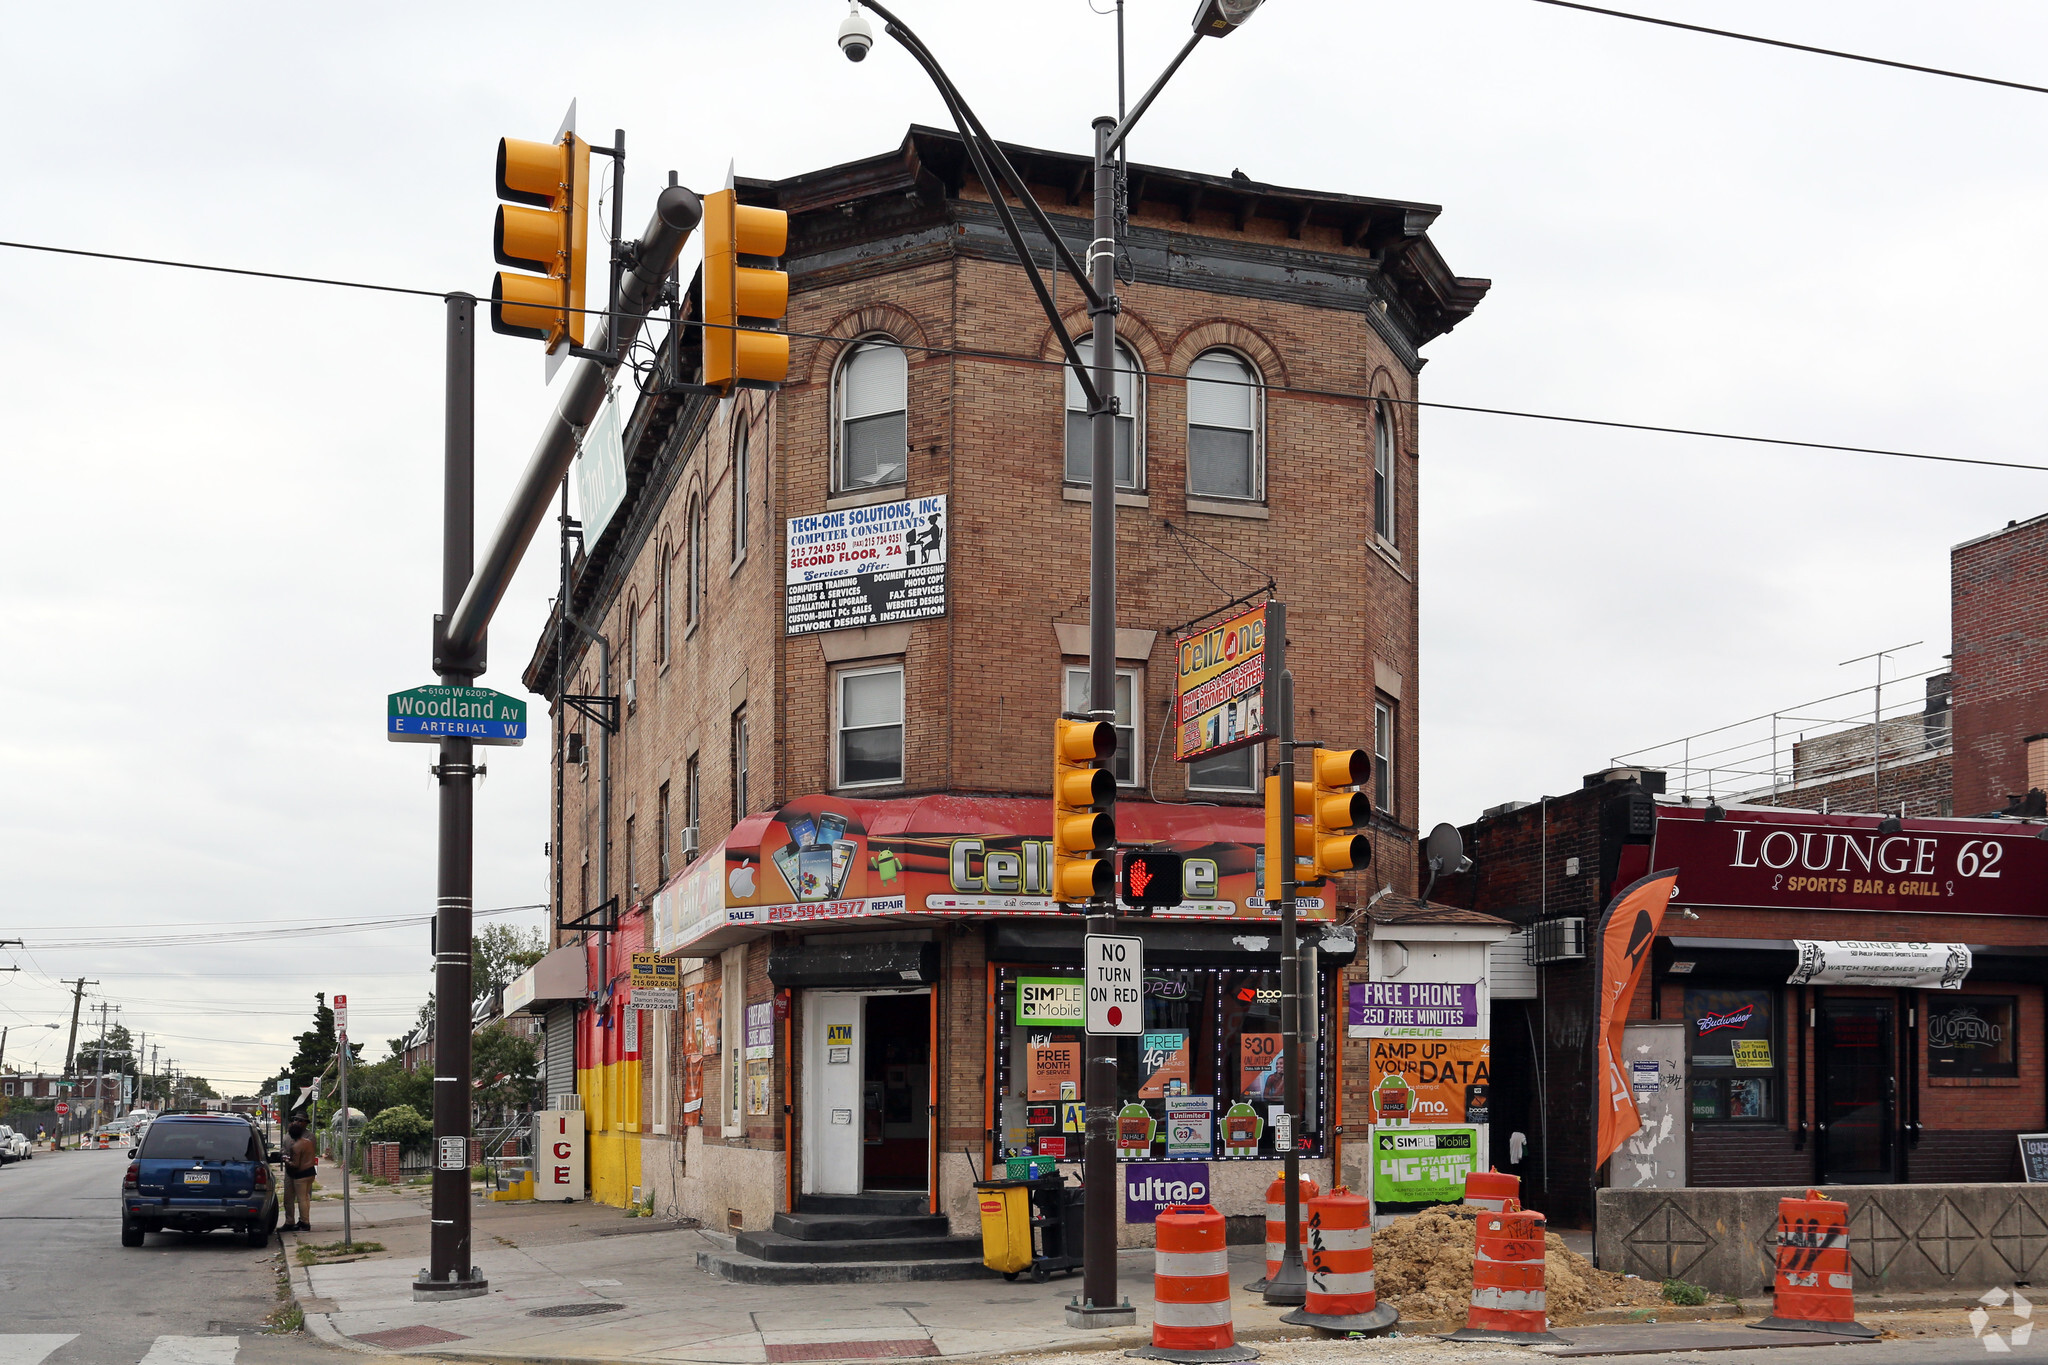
873,428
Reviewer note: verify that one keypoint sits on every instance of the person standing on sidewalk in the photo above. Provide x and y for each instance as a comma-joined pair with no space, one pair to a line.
301,1157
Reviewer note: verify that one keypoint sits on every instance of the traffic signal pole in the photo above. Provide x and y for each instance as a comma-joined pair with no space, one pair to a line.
449,1273
1290,1286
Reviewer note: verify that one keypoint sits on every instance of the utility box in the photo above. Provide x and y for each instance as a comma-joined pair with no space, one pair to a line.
558,1145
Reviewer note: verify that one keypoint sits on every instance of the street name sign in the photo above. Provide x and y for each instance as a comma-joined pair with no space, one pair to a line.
1116,990
428,715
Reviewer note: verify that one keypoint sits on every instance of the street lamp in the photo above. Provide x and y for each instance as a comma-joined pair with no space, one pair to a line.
1100,1306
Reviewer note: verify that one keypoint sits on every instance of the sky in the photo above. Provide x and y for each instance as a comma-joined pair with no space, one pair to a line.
226,492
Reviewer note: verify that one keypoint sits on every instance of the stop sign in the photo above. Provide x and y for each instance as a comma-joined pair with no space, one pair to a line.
63,1108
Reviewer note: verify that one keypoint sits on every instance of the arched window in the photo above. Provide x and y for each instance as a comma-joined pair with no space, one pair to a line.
873,428
1223,428
667,592
1382,474
1129,434
739,493
695,567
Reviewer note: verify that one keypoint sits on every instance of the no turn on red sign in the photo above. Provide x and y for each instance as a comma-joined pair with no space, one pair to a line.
1116,984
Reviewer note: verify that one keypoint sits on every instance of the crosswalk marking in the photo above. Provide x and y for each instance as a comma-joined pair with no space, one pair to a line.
28,1348
193,1351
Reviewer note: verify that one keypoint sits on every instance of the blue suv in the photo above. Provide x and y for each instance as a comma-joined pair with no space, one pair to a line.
198,1172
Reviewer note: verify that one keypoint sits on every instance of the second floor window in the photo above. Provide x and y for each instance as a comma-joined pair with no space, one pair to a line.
1125,761
870,716
668,595
1223,438
739,494
873,427
662,833
1080,440
1383,757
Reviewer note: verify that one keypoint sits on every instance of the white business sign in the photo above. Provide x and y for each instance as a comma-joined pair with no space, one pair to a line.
601,469
1116,984
558,1154
865,566
1919,966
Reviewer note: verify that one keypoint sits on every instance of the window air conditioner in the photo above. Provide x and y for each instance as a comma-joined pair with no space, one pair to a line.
687,841
1556,940
632,695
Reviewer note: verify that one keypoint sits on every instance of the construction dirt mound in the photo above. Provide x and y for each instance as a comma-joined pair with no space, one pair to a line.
1423,1266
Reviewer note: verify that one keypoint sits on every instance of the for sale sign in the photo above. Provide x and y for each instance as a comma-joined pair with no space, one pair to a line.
1116,984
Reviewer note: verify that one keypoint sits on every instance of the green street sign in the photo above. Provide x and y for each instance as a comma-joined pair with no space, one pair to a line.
428,715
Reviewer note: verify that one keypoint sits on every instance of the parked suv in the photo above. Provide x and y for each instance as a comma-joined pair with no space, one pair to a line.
198,1172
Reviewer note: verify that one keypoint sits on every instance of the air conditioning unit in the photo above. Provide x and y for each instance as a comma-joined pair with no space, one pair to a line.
1556,940
687,842
632,694
575,750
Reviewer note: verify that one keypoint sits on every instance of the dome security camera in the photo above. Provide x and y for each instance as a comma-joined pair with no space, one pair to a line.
856,35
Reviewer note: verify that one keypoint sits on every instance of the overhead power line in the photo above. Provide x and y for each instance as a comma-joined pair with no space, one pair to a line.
1016,358
1798,47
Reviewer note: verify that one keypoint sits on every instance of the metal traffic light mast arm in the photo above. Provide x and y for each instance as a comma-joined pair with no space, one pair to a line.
676,213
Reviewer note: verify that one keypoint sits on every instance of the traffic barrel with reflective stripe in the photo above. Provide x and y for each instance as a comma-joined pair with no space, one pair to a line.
1491,1190
1337,1252
1191,1290
1276,1223
1813,1290
1508,1302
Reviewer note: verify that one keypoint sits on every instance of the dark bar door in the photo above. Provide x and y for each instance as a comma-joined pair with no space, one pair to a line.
1858,1092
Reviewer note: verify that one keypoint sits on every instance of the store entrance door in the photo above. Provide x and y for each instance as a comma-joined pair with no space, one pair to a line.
867,1060
1858,1092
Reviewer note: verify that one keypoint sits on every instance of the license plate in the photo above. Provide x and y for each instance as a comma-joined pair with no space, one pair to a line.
198,1178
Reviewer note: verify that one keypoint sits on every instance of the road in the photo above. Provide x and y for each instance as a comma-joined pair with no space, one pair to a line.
71,1294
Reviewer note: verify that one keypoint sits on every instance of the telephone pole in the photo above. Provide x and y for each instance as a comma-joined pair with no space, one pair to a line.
71,1043
99,1084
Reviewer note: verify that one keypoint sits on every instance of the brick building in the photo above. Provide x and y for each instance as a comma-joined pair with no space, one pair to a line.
1998,620
830,805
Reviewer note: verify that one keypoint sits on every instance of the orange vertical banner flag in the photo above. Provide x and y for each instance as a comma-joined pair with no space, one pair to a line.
1627,931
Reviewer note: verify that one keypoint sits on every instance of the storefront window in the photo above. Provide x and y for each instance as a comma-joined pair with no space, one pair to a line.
1734,1055
1972,1035
1201,1082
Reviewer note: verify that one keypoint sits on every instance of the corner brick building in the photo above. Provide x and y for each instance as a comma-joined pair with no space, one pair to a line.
1998,618
828,801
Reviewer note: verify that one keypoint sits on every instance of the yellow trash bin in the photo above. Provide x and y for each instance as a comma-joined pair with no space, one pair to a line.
1005,1224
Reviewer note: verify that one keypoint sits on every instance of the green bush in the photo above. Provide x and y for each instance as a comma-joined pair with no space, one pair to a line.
1683,1294
401,1123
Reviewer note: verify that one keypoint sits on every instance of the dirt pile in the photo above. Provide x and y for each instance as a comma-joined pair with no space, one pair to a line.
1423,1266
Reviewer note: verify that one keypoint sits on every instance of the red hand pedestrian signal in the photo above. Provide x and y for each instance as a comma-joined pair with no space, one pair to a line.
1151,880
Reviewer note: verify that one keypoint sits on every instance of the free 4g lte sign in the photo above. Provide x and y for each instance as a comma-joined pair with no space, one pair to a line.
1116,984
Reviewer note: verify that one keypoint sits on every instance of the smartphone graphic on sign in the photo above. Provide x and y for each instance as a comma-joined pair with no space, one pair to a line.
804,832
831,827
842,863
814,874
785,863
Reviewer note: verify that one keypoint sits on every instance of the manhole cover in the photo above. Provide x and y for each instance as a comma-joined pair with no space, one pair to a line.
575,1310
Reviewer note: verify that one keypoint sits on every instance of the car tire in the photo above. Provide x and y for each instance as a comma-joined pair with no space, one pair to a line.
131,1233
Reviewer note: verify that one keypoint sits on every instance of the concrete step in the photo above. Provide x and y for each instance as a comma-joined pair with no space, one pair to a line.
775,1246
742,1269
872,1202
856,1227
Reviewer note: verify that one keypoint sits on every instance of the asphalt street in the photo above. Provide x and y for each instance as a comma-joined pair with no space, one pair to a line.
71,1294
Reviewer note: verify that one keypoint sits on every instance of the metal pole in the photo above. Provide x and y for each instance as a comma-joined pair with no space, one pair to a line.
1290,1286
449,1271
1100,1306
348,1238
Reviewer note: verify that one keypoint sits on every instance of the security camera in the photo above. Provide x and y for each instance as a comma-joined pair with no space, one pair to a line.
856,35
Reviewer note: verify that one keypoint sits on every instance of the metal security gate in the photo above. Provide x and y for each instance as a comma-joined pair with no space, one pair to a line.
559,1064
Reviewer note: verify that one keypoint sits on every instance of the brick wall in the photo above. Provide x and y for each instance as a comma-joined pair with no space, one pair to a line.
1999,629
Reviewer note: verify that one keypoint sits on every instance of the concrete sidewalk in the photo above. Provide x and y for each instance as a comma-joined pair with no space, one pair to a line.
581,1283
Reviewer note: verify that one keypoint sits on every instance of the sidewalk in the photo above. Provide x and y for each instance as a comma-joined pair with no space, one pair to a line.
581,1283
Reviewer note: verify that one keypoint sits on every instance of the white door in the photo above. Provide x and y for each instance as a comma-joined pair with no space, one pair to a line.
832,1128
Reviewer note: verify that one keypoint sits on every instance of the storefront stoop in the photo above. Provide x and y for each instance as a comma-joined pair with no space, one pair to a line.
850,1239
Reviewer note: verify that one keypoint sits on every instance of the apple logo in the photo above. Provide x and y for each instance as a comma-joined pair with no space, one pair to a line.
741,881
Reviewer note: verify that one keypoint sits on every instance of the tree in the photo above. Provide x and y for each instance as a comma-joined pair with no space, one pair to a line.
505,1067
316,1047
387,1084
401,1123
498,954
118,1049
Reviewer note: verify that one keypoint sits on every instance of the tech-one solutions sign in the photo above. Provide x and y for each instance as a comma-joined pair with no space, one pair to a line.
865,566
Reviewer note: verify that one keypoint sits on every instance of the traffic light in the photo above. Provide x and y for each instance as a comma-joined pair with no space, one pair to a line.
735,353
1304,836
1083,788
1336,810
546,229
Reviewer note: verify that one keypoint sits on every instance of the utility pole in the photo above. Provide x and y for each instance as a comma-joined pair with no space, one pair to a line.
1290,1286
99,1085
71,1043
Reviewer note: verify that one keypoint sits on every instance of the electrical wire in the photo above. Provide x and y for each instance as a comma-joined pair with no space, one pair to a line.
974,353
1797,47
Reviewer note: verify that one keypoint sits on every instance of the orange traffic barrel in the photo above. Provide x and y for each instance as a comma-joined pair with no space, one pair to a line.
1276,1224
1812,1290
1508,1302
1491,1190
1191,1290
1337,1245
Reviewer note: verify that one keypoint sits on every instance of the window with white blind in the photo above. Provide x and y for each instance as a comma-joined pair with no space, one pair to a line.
873,422
1223,428
1383,757
1128,687
1130,463
1382,474
869,716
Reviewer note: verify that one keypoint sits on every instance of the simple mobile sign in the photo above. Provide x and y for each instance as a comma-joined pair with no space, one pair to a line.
1116,984
428,715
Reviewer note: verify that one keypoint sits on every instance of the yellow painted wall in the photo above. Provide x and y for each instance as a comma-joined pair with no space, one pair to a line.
611,1112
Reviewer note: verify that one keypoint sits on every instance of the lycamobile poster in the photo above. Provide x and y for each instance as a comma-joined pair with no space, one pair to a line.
1422,1165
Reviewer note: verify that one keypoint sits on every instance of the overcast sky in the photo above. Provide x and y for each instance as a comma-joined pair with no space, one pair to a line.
226,492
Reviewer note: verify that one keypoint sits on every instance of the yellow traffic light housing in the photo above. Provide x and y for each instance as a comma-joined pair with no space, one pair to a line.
1304,837
736,352
1083,789
546,229
1336,808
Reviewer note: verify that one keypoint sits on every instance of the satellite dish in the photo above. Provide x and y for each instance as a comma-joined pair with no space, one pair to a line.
1445,847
